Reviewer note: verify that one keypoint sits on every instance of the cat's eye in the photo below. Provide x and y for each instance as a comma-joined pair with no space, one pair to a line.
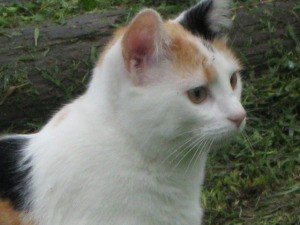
233,80
197,95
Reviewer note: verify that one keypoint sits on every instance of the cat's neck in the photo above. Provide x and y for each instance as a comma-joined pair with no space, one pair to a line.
171,158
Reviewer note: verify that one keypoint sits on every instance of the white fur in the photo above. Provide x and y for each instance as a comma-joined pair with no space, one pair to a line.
111,160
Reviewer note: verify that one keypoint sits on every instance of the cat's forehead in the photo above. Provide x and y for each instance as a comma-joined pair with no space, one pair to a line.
192,53
189,54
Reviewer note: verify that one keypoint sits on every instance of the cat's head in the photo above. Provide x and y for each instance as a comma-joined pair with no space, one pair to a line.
179,79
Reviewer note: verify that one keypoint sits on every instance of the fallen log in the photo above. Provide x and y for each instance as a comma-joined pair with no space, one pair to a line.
44,66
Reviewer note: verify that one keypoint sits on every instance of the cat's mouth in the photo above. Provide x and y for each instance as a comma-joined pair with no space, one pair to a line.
221,135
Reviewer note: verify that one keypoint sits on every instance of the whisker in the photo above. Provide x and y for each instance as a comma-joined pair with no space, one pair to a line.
178,147
188,151
182,158
208,147
190,147
187,132
200,152
196,153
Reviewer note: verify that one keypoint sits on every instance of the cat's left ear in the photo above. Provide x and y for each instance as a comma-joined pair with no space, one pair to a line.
143,42
206,19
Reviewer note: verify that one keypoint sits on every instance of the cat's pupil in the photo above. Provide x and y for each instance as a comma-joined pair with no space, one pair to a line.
233,80
197,92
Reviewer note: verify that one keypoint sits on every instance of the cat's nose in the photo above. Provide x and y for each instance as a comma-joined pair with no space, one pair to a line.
238,118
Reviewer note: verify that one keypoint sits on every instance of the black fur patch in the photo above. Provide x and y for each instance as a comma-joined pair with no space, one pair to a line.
196,20
13,176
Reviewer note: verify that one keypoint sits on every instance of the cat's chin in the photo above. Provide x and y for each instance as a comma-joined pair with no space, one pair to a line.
222,137
221,141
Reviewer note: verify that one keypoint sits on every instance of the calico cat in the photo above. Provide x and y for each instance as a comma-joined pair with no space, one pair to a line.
132,149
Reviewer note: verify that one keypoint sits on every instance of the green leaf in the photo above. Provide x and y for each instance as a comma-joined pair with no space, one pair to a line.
36,36
94,54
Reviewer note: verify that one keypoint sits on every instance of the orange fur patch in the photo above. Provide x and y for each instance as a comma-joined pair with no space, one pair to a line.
187,55
8,216
184,52
221,46
209,72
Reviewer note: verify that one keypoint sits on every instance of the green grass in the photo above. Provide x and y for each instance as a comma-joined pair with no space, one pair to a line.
37,11
254,181
257,180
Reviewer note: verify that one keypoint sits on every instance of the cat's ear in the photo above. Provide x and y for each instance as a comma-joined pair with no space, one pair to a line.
206,19
143,42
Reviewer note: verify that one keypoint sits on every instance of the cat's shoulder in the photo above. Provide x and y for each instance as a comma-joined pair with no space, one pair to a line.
11,143
12,170
11,146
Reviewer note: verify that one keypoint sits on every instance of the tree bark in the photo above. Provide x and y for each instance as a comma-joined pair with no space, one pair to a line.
44,66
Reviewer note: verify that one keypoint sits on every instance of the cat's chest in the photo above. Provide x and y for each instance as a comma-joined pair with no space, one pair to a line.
135,207
120,194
